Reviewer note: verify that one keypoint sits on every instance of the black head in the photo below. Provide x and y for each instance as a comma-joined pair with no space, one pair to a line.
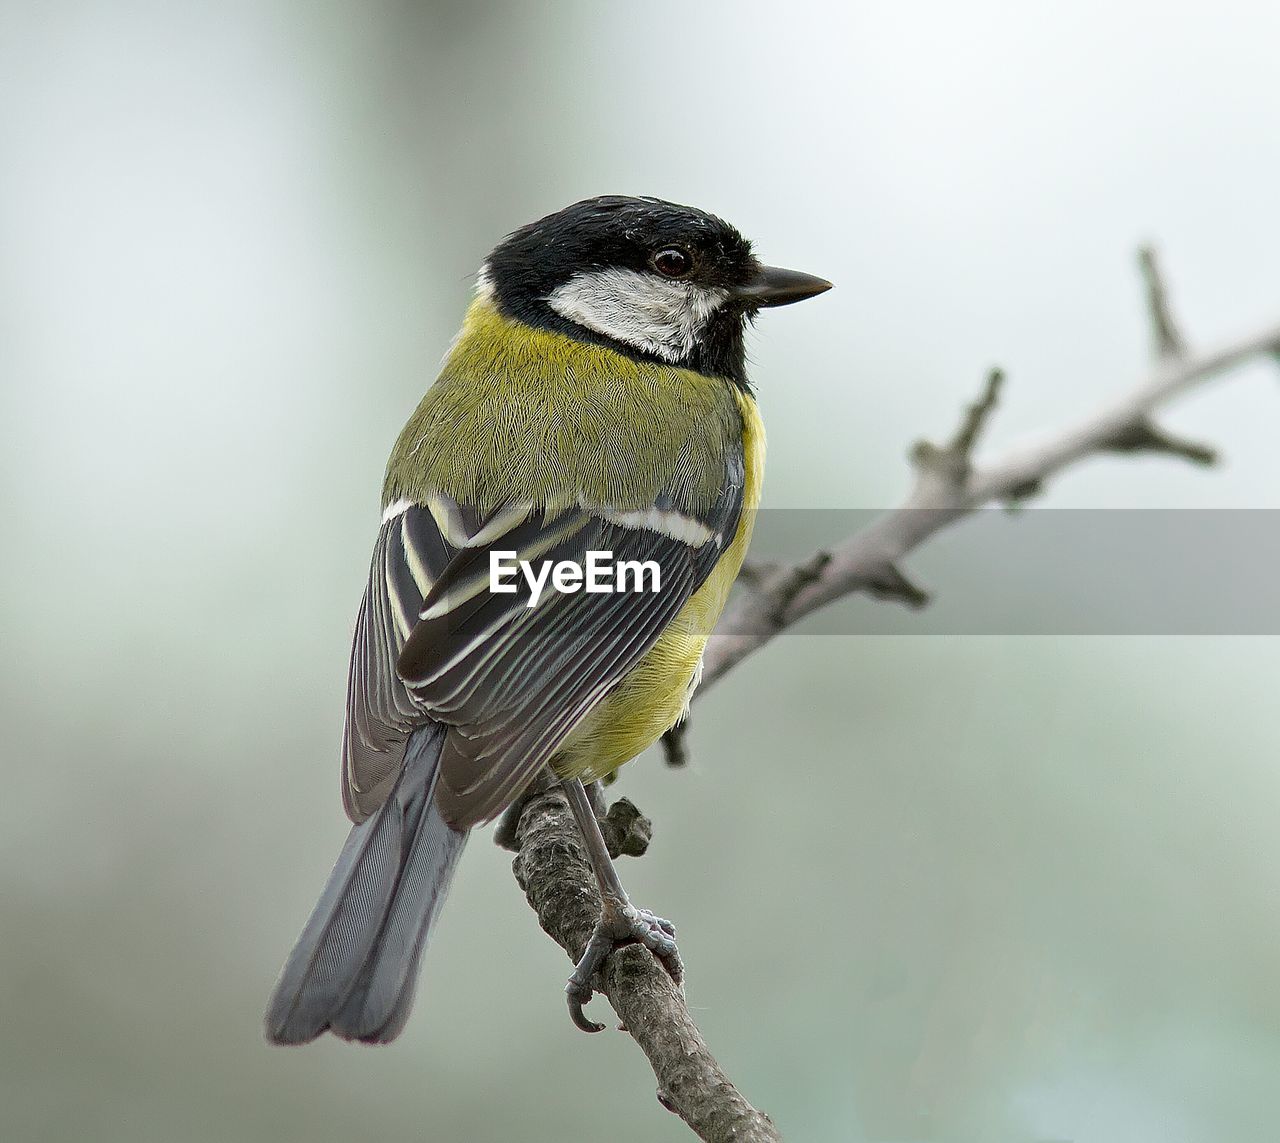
649,278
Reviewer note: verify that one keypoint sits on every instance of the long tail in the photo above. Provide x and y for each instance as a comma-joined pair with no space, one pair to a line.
355,967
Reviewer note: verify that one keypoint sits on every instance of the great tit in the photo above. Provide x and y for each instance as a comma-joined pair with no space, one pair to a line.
595,401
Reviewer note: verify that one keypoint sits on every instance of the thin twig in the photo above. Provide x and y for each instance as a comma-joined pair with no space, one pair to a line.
1169,341
946,490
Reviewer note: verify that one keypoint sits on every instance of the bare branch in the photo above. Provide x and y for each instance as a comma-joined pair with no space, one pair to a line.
887,582
1169,342
553,869
627,832
1144,436
949,485
975,420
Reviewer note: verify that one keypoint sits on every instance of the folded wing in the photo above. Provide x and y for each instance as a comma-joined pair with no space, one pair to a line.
510,680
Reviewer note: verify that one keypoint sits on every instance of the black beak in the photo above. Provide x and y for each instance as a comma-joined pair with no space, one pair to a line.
773,286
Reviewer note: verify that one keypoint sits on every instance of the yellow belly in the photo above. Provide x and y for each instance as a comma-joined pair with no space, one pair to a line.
653,697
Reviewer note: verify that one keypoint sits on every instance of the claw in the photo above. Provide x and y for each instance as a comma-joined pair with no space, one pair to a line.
576,1000
620,921
620,924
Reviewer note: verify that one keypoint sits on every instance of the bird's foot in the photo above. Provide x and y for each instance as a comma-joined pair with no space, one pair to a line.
621,923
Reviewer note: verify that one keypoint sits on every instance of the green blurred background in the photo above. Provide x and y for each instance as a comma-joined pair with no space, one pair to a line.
1015,889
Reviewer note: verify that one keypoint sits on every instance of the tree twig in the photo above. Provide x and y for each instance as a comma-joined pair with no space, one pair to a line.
949,484
1168,339
553,869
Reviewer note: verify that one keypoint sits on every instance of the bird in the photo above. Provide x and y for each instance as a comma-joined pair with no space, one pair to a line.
594,403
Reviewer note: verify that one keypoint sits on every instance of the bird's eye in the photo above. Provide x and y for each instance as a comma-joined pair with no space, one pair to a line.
672,262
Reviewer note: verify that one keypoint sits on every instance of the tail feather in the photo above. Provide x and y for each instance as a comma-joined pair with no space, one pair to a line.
376,1010
355,967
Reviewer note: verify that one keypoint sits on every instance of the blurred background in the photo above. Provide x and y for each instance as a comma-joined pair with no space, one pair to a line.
1019,888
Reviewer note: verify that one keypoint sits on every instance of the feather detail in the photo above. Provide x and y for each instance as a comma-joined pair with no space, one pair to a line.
354,968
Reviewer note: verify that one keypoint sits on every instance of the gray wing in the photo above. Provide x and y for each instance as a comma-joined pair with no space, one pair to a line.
511,681
410,553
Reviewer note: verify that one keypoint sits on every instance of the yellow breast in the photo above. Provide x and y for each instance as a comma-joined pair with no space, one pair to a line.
655,695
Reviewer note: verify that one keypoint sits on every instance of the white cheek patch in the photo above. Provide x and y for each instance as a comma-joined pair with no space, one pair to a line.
642,310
